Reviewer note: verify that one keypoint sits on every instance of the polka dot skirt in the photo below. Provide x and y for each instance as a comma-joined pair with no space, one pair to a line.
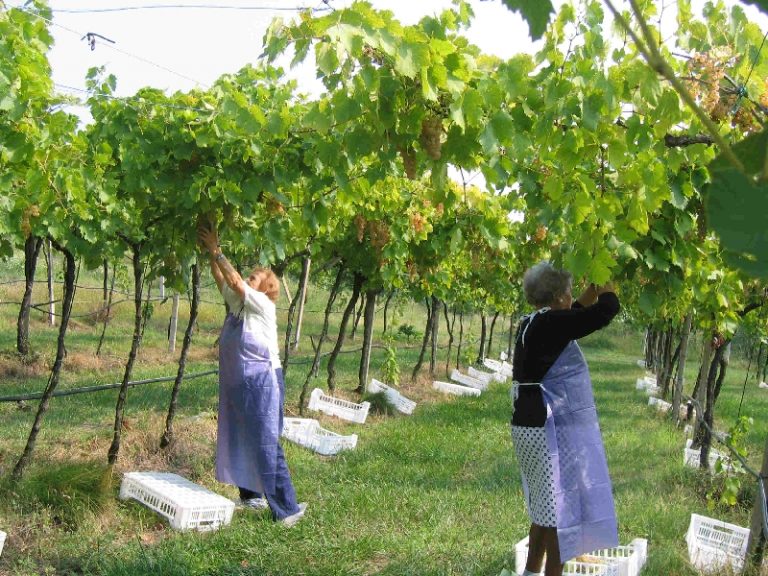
536,470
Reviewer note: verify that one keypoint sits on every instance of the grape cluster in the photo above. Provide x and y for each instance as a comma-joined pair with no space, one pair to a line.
541,233
30,211
409,161
707,73
275,207
360,223
418,222
430,137
378,231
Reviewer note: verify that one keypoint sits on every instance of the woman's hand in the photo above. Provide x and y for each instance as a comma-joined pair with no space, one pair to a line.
607,287
588,297
209,238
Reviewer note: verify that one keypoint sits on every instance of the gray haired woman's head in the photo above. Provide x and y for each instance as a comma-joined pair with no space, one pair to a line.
543,284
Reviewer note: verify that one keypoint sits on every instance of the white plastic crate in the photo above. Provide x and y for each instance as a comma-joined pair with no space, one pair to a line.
486,376
630,559
645,382
713,544
2,541
308,433
501,367
186,504
692,458
456,389
457,376
660,404
400,402
343,409
586,564
653,391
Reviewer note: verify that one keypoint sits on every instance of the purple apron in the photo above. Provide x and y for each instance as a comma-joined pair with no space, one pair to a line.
586,519
249,411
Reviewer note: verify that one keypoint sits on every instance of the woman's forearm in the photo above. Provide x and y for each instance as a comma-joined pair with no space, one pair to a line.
216,273
229,274
222,270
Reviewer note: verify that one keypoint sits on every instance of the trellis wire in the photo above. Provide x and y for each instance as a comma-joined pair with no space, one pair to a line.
101,387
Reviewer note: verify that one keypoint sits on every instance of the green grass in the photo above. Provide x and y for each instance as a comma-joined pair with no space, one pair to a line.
435,493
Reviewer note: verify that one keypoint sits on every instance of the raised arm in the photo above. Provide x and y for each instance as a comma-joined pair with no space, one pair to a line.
588,297
222,270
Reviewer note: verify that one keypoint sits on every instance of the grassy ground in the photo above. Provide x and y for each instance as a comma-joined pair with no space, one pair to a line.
435,493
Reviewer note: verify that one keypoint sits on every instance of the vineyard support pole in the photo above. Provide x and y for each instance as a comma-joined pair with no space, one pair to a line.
302,301
174,324
285,287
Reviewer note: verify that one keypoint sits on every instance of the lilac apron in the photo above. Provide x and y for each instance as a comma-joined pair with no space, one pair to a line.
249,411
586,519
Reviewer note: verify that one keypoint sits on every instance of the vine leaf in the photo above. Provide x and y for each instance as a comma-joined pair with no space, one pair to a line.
736,206
537,14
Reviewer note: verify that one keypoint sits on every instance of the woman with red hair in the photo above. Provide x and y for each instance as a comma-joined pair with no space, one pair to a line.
251,389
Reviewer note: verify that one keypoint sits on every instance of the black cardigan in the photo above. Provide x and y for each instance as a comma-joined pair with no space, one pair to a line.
545,339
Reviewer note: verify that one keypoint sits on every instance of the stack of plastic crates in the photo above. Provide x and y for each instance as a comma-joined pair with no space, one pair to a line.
714,545
185,504
457,376
486,376
400,402
501,367
619,561
308,433
344,409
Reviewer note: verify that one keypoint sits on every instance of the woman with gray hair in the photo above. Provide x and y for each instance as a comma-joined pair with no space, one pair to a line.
554,424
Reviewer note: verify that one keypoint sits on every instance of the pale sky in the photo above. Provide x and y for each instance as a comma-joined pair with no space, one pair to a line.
181,48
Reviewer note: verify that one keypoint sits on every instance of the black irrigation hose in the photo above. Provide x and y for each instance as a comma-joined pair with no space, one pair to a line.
73,391
86,389
741,459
